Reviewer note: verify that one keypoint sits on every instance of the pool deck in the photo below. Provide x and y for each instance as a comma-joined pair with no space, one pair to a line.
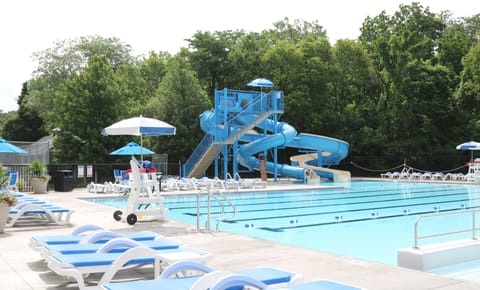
22,268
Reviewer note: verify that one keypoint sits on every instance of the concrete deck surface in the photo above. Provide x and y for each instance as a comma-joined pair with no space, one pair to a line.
22,268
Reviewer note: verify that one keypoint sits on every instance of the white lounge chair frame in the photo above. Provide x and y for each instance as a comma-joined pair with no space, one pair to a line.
35,213
159,259
205,280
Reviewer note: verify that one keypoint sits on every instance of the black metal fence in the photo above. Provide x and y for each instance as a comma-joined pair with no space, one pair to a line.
84,174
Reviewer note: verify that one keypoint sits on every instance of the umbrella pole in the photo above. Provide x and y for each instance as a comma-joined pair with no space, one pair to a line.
141,148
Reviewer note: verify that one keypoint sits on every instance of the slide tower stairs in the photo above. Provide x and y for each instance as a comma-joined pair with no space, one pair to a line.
236,113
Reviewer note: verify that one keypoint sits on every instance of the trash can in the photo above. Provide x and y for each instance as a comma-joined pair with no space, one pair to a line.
63,180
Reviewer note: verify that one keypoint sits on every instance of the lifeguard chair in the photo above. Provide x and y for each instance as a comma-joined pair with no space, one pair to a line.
145,202
473,170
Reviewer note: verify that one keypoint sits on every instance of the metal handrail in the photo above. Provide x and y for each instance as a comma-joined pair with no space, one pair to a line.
229,217
212,193
472,229
209,217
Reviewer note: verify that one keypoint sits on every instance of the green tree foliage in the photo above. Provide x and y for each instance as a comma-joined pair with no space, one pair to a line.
356,92
179,101
152,70
417,90
296,31
208,56
66,59
246,59
26,125
468,94
85,104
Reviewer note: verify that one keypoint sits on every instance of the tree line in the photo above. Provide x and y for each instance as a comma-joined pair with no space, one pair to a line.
408,86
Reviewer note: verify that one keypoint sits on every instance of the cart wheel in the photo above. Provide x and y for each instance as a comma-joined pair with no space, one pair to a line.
131,219
117,215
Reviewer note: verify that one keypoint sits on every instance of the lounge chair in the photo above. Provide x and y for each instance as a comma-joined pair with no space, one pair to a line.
415,176
450,176
38,213
394,175
122,182
12,181
438,176
87,232
404,175
94,244
106,187
386,174
426,176
78,266
235,280
250,182
460,176
230,182
267,275
117,175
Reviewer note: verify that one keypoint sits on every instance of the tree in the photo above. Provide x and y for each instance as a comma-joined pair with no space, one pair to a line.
66,59
356,92
468,94
208,56
417,90
296,32
180,100
86,103
247,59
26,125
152,70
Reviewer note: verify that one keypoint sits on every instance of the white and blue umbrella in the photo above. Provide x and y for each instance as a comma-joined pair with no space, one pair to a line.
139,126
132,148
6,147
261,82
471,145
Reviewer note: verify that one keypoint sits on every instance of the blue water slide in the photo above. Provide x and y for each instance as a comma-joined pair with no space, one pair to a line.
337,149
281,134
321,152
285,134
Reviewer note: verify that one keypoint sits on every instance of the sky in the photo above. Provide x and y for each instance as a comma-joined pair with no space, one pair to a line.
29,26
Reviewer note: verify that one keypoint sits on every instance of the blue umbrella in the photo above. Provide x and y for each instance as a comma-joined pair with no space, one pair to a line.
471,145
6,147
261,82
132,148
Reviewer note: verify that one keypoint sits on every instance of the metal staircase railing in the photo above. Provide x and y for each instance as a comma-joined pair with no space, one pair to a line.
260,107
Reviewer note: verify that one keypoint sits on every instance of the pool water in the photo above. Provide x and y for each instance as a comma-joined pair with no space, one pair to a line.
369,220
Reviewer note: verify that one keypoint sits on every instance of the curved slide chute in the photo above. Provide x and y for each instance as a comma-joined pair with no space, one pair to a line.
286,134
333,150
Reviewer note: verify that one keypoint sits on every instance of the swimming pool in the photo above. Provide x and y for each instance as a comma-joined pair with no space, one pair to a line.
370,220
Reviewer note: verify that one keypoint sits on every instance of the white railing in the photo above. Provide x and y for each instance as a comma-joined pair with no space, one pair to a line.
217,195
472,228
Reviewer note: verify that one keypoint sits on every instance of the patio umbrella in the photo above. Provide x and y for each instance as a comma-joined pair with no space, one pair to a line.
132,148
6,147
261,82
471,145
139,126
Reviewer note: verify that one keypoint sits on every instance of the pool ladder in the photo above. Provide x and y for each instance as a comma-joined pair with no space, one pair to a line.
221,199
